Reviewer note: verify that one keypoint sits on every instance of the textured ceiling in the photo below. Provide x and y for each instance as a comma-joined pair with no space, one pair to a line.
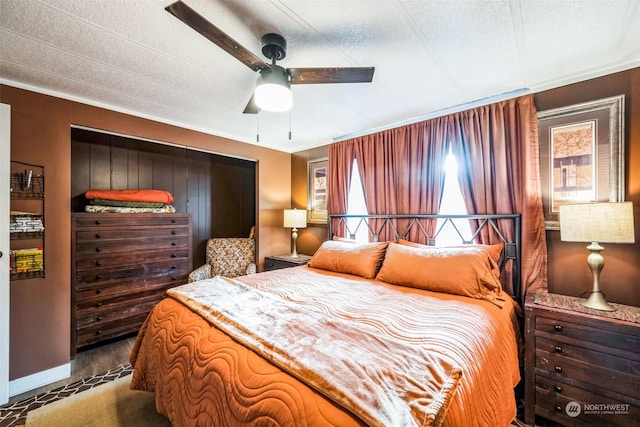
430,57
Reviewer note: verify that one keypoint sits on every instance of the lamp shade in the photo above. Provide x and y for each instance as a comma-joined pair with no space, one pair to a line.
597,222
273,90
295,218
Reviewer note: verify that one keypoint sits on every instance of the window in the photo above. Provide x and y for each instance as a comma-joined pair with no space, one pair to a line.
357,206
452,203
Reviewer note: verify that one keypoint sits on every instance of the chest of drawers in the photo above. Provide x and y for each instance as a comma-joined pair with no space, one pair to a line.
581,368
122,264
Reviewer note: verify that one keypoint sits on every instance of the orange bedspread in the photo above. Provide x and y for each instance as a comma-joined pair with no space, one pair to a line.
202,377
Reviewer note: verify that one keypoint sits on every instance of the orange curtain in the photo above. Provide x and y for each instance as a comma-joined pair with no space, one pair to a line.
341,157
402,172
499,146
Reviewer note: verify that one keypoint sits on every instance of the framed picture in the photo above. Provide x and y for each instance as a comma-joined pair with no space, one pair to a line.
317,191
581,155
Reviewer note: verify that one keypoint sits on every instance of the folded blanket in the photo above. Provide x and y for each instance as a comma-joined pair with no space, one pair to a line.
386,378
123,209
157,196
127,203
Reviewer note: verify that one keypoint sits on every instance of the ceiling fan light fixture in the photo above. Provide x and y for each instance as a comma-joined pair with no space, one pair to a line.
273,90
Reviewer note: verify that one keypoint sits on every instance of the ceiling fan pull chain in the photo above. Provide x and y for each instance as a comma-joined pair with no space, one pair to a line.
289,125
258,126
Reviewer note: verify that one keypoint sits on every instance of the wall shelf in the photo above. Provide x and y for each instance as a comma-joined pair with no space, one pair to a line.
26,191
25,235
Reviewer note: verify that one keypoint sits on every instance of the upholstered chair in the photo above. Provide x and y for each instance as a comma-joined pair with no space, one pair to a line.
229,257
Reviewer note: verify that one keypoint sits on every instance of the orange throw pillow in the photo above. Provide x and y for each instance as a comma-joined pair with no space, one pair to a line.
467,271
359,259
494,250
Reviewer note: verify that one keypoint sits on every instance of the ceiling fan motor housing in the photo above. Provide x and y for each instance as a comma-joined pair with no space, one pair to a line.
274,46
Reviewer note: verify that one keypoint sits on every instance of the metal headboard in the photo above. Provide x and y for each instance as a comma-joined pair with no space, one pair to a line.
388,226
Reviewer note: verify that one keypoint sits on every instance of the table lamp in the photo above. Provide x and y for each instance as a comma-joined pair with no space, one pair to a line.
597,223
294,218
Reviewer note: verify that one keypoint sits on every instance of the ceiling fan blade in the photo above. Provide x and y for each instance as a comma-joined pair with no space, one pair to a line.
302,76
252,107
215,34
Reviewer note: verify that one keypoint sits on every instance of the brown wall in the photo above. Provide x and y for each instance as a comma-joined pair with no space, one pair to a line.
40,134
568,270
310,238
568,273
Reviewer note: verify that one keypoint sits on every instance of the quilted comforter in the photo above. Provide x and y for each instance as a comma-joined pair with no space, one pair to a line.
306,347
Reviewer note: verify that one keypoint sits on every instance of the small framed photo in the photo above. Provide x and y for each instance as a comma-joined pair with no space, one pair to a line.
317,191
581,155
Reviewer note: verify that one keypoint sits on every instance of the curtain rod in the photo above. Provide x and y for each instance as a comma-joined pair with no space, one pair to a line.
439,113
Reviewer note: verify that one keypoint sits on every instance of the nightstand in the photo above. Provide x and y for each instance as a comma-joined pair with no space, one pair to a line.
582,366
277,262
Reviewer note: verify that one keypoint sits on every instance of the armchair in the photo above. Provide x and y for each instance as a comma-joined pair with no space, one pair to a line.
229,257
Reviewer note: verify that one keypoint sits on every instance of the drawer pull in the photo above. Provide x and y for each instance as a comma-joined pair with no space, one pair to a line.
173,243
173,231
98,222
98,236
558,328
98,304
98,263
99,331
558,389
173,267
173,221
174,278
98,291
98,277
98,249
558,369
174,256
557,408
98,318
557,349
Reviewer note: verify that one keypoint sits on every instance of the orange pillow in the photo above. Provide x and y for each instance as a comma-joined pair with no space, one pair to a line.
467,271
494,250
359,259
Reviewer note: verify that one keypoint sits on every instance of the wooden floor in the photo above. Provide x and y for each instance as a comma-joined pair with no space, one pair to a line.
87,364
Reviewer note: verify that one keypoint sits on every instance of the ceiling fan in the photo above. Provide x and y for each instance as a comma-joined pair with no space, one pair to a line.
273,91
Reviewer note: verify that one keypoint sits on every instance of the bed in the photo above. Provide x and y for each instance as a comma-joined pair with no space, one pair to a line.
393,332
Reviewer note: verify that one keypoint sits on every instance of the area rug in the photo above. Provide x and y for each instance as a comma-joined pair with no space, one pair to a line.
109,405
15,414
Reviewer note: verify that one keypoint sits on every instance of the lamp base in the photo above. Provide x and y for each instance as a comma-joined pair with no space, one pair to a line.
294,237
597,302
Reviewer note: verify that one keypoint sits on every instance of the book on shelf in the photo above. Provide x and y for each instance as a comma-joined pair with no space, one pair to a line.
26,260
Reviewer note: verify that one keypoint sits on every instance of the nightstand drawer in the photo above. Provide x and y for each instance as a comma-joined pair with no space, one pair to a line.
583,372
572,332
274,264
278,262
570,352
552,398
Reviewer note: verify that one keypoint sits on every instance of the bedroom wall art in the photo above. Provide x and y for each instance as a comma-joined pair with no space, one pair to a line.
581,155
317,192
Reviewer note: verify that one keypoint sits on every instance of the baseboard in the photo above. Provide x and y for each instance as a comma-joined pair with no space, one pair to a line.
39,379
